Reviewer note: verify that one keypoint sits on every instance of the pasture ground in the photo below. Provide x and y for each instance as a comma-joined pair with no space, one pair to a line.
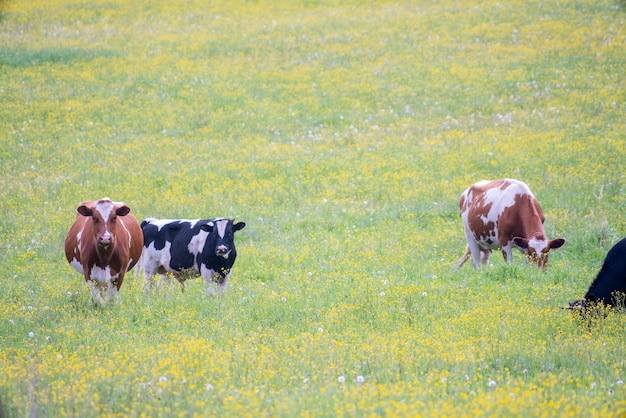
342,133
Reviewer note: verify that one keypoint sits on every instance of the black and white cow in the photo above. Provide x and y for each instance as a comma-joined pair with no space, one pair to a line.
190,247
611,280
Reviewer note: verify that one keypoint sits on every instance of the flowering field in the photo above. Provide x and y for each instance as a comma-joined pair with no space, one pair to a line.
342,133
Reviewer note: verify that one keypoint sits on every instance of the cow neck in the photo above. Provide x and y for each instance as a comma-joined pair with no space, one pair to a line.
104,256
531,220
533,231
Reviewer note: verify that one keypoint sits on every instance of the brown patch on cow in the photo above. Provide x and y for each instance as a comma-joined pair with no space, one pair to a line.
524,219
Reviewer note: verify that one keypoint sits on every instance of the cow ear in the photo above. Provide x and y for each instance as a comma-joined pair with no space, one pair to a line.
556,243
208,227
122,211
520,242
239,226
84,210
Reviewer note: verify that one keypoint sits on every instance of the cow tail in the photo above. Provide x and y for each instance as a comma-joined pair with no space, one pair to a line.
463,259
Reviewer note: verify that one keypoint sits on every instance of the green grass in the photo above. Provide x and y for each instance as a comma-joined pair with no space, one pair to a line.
343,134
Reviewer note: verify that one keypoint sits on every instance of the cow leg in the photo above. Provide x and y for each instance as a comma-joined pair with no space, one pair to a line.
472,247
112,292
207,275
221,286
181,279
476,254
138,266
106,289
149,270
209,286
164,280
148,279
96,297
209,283
507,252
114,287
484,256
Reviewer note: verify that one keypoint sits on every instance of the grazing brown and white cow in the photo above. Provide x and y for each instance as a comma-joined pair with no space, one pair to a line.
103,244
504,214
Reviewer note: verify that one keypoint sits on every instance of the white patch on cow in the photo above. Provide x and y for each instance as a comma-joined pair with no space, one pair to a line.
127,234
75,263
153,260
538,244
207,273
499,200
104,207
197,243
160,223
102,275
221,227
482,183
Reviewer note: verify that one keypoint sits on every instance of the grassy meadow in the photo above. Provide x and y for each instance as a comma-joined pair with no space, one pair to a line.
342,133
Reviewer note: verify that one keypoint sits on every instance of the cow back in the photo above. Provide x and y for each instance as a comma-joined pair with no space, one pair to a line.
612,276
184,238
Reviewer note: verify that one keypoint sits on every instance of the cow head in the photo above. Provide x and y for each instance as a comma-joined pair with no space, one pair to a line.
221,235
103,214
537,248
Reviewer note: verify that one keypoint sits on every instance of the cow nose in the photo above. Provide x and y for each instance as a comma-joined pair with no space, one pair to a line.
221,250
105,239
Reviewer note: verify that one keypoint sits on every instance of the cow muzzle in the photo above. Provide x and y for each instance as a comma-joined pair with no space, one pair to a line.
222,251
105,241
540,260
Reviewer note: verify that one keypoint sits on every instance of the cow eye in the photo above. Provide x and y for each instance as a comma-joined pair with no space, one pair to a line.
95,220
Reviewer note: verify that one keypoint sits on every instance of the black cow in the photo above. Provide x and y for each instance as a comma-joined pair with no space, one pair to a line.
187,248
609,287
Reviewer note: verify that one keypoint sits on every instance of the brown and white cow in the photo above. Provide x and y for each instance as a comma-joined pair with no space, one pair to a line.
103,244
504,214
